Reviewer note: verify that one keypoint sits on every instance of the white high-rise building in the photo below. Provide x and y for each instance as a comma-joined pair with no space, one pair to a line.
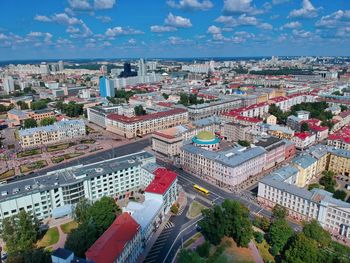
103,70
142,68
60,65
9,85
44,68
152,65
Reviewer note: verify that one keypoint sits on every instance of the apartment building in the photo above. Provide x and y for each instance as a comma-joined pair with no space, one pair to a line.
279,188
210,109
98,114
303,139
340,139
307,166
339,161
130,127
224,168
286,102
46,196
38,115
234,132
120,243
57,132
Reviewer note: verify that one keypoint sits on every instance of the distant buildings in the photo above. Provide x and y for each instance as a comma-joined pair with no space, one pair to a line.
60,65
142,70
130,127
57,132
9,85
107,88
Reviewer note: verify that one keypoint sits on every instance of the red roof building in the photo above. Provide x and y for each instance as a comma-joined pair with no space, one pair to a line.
162,181
115,240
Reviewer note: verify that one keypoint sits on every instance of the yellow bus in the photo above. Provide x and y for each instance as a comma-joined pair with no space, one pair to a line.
201,189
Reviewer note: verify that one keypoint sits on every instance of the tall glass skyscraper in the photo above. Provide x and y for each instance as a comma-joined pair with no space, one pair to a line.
106,87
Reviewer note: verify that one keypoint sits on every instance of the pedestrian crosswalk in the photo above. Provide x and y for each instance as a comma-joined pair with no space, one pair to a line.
182,208
169,224
155,253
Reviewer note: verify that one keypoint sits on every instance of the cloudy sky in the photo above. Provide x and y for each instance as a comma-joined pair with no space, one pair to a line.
39,29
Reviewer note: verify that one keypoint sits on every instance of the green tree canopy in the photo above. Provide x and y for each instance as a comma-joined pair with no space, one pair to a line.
31,256
20,232
244,143
30,123
81,238
278,235
188,256
315,231
301,250
279,212
340,194
139,110
38,105
47,121
165,96
81,210
304,127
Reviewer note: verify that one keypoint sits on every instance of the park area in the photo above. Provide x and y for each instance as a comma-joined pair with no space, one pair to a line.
7,174
50,238
69,227
195,209
29,153
32,166
67,156
59,147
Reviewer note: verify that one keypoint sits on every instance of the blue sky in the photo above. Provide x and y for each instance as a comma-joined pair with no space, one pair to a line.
39,29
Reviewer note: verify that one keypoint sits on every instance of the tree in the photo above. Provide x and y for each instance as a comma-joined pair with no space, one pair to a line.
188,256
328,181
304,127
244,143
81,238
103,212
20,232
22,105
278,235
259,237
81,210
279,212
38,105
174,209
47,121
184,100
301,250
213,224
262,223
203,250
139,110
314,185
340,194
30,123
32,256
343,108
278,113
315,231
165,96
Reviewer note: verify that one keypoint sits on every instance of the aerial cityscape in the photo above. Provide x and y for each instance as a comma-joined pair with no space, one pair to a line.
187,131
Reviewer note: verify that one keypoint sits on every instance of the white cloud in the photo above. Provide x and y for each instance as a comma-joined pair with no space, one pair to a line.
118,31
177,21
339,18
216,32
104,19
88,5
278,2
72,30
106,44
191,4
177,41
242,20
301,33
79,4
3,36
64,19
104,4
291,25
162,29
265,26
41,18
132,41
240,6
307,10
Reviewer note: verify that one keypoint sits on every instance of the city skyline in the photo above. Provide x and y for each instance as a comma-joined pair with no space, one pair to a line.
175,28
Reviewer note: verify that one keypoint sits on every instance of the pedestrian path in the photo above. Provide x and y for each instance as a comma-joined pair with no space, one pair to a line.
169,225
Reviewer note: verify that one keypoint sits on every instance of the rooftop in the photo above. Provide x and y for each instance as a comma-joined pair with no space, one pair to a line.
163,179
152,116
113,241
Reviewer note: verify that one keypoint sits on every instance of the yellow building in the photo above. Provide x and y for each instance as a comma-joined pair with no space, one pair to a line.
339,161
307,169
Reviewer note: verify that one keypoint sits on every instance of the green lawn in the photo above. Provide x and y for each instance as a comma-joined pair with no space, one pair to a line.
264,251
7,174
68,227
72,155
192,239
195,209
32,166
50,238
87,141
59,147
57,159
28,153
